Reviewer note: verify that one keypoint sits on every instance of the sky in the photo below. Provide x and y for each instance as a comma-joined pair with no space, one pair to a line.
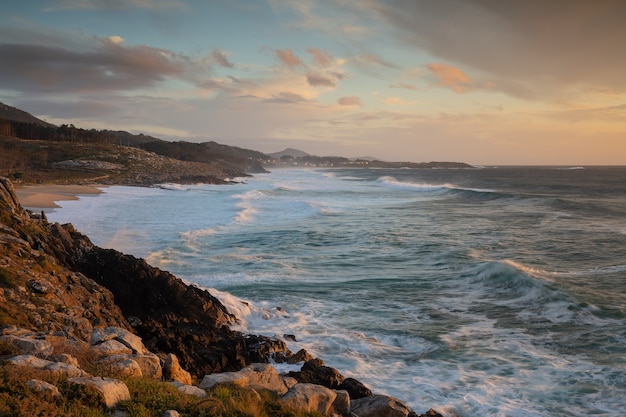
486,82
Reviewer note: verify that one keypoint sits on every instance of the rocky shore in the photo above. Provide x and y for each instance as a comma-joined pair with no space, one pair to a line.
63,298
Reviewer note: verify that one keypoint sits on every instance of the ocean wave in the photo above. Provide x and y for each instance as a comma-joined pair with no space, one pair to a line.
392,182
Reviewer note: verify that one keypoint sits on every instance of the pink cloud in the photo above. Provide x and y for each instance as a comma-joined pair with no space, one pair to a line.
320,57
288,58
451,77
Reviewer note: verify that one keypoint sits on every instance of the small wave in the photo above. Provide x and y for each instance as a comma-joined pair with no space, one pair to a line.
394,183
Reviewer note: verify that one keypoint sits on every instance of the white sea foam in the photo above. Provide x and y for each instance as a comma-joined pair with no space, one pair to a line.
472,309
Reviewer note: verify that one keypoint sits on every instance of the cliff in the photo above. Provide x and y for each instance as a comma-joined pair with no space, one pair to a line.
52,278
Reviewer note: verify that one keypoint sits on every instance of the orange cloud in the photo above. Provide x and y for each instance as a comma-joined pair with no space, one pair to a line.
350,101
452,77
287,57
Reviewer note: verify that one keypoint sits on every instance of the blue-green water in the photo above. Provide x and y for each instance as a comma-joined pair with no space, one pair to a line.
492,292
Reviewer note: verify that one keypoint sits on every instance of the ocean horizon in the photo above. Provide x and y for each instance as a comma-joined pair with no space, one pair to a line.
495,291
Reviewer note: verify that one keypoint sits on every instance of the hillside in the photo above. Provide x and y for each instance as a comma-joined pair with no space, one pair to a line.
68,152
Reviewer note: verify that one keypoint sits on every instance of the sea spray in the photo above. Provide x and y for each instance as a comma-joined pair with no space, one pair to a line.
475,292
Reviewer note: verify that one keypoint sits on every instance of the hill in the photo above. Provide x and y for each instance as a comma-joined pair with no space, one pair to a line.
12,113
32,150
289,152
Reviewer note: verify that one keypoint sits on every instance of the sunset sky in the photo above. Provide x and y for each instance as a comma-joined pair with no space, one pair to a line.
487,82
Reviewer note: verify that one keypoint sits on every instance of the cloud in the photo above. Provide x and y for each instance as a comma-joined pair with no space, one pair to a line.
370,58
288,58
320,57
60,5
319,80
352,101
116,39
222,59
104,65
529,49
404,86
451,77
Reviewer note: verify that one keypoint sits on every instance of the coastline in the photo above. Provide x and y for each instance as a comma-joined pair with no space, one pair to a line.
44,197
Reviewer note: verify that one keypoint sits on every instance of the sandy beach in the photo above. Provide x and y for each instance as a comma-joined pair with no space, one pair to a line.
44,197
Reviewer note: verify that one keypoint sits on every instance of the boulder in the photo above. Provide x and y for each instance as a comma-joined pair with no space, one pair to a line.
27,345
65,358
42,387
122,336
310,398
380,406
112,391
59,369
189,389
122,366
355,388
300,356
314,372
341,405
256,375
172,371
171,413
112,347
149,364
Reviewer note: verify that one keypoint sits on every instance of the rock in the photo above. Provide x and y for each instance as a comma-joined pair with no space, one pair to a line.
122,336
256,375
431,413
171,413
300,356
122,366
39,286
380,406
310,398
111,390
355,388
314,372
341,405
28,346
39,386
65,358
172,370
189,389
112,347
150,364
58,369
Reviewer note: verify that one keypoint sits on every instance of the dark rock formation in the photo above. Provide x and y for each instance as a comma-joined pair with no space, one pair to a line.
315,372
72,285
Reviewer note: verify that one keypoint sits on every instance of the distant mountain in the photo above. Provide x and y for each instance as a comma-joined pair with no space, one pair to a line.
12,113
294,153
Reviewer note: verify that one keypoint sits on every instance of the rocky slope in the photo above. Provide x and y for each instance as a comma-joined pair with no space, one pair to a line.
56,285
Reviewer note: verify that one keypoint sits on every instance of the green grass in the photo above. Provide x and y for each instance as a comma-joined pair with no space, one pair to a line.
149,398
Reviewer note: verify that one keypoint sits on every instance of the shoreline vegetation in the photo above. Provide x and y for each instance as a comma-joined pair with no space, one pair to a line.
59,293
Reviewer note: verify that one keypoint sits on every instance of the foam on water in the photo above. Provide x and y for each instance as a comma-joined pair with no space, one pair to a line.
428,285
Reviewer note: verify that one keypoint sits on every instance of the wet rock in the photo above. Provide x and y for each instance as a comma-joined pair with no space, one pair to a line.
355,388
315,372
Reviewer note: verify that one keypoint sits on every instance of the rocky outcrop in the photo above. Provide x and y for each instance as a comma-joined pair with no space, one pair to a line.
53,278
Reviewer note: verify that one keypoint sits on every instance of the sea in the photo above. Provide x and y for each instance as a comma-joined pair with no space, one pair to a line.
492,291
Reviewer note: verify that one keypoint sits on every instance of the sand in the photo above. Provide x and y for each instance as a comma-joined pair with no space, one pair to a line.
44,197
